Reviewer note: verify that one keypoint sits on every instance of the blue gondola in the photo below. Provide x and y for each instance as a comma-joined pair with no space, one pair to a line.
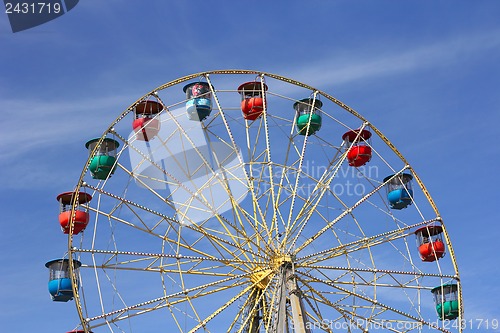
199,100
399,190
59,279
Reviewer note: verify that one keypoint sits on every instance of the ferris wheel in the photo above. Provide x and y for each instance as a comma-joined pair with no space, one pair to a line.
244,201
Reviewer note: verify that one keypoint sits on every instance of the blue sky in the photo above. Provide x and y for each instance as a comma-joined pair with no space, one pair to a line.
425,73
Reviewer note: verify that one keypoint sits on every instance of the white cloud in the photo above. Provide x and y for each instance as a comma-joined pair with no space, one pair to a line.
380,61
30,125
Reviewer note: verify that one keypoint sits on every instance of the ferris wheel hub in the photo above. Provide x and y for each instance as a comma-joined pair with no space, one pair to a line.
261,278
282,260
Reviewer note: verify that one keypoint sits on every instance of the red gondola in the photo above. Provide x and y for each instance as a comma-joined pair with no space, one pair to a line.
430,243
146,125
252,99
80,217
360,151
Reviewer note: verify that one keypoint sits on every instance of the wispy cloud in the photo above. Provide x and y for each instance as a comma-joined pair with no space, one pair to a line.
33,124
381,61
28,125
